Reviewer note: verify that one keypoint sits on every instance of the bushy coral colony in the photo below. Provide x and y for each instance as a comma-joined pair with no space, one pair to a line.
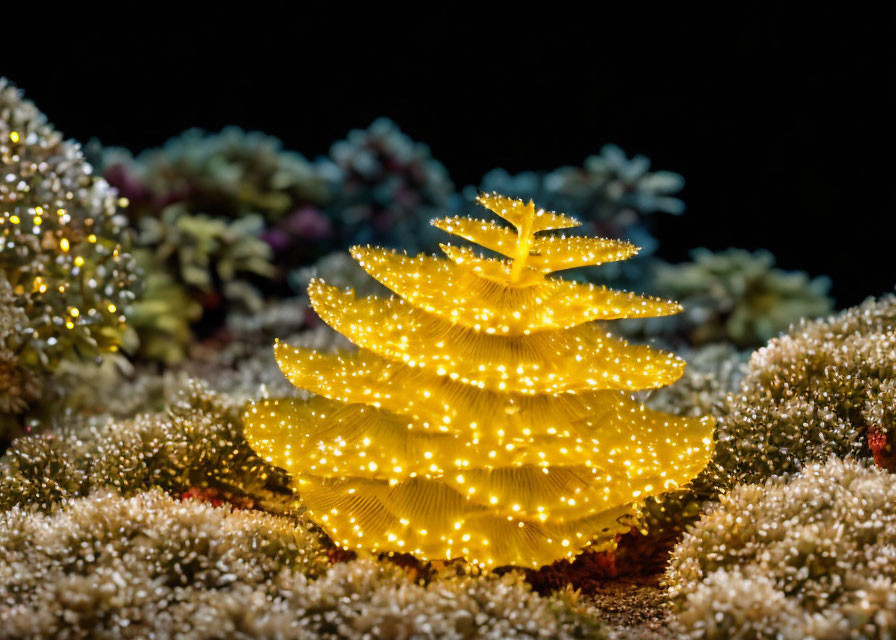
484,417
152,566
470,427
808,558
65,276
824,388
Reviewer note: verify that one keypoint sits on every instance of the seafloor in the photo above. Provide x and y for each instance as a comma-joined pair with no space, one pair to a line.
634,608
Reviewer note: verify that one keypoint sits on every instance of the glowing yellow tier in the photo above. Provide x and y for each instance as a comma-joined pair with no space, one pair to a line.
364,378
355,467
547,253
584,357
484,416
439,523
617,456
457,294
524,216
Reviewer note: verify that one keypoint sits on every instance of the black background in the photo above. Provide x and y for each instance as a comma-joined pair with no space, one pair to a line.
782,122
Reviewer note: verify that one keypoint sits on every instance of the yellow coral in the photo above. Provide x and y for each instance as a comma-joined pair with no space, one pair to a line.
484,416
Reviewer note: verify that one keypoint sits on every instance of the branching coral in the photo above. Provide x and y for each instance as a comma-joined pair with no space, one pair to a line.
203,205
810,557
739,296
65,277
613,191
388,187
484,415
194,259
225,175
210,254
817,391
610,189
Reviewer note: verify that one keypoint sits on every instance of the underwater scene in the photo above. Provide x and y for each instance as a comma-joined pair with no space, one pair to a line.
250,390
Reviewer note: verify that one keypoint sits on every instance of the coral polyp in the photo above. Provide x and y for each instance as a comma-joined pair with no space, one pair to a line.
485,416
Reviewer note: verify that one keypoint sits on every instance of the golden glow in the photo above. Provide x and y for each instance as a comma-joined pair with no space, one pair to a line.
581,358
456,293
484,416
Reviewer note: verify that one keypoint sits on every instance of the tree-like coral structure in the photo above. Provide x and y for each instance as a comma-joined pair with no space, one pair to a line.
484,415
615,195
65,277
807,557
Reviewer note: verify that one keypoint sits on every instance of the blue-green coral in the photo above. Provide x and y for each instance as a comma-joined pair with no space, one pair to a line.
388,188
65,274
214,215
227,175
228,216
